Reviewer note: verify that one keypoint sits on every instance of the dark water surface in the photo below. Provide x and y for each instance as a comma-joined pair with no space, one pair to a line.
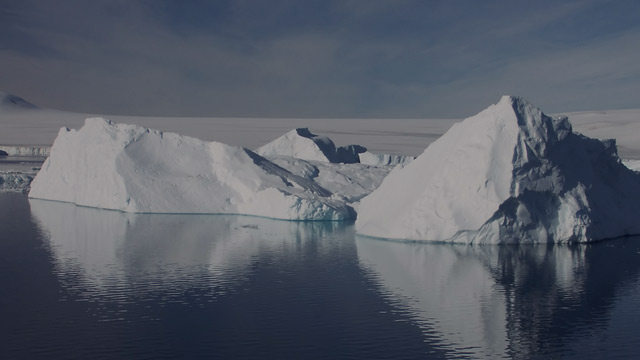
94,284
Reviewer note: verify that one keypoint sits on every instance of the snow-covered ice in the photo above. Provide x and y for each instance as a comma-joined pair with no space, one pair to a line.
348,182
509,174
389,142
134,169
303,144
339,169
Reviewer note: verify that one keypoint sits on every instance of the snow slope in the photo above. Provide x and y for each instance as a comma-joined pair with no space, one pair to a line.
508,174
347,182
302,144
133,169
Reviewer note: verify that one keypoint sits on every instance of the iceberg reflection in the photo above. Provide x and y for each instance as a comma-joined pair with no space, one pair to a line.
113,251
504,301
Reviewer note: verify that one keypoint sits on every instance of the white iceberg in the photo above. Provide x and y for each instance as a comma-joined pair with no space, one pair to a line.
337,169
509,174
302,144
134,169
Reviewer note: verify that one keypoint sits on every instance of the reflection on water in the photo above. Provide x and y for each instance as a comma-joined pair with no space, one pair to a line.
90,283
201,286
509,301
162,252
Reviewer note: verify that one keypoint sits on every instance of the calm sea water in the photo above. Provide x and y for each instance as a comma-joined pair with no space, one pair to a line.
92,284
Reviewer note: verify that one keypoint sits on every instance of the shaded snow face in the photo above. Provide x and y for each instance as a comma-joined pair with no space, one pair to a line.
133,169
509,174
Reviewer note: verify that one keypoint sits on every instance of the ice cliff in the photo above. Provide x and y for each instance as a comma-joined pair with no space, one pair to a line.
133,169
509,174
25,150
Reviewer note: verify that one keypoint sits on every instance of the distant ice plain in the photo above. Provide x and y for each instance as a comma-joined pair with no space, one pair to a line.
392,136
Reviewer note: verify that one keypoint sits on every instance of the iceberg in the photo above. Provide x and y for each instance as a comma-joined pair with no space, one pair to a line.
302,144
509,174
341,170
134,169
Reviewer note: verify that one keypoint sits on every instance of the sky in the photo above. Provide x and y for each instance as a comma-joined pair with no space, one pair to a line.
319,58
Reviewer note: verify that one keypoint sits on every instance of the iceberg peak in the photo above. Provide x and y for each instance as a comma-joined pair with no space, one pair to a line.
302,144
508,174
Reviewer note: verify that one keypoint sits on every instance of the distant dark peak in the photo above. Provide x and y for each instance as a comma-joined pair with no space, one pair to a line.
14,101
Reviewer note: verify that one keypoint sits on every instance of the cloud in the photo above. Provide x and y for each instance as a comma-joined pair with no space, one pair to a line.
285,58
